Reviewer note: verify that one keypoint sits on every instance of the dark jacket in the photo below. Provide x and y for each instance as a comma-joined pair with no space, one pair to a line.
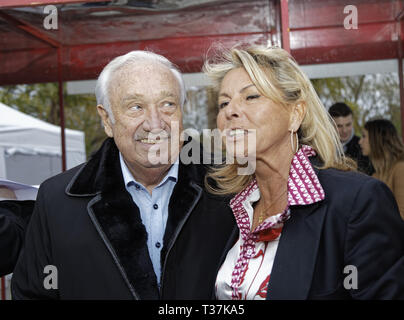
14,217
86,224
357,224
354,151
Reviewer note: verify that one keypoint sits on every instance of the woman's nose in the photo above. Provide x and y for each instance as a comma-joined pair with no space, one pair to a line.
232,110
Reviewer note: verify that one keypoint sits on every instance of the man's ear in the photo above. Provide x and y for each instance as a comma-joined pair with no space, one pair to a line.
106,120
297,115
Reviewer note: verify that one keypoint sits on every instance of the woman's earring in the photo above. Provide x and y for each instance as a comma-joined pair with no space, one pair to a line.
294,150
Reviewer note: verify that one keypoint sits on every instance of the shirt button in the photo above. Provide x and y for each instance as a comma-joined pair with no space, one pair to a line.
155,206
158,244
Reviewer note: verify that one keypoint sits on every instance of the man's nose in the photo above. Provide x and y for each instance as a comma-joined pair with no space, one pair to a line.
153,121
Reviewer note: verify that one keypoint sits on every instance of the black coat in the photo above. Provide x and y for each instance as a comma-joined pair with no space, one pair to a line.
86,224
14,217
357,224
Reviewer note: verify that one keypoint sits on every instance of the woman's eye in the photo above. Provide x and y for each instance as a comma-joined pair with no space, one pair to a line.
255,96
223,104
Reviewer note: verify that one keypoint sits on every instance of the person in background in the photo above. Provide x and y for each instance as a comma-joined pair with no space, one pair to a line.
381,142
14,217
343,117
304,218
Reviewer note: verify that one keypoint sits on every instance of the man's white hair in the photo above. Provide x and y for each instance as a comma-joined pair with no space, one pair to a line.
133,57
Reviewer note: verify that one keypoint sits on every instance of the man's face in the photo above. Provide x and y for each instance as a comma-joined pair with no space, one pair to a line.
344,126
145,102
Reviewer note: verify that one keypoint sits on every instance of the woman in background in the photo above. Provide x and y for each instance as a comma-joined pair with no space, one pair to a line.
385,149
308,227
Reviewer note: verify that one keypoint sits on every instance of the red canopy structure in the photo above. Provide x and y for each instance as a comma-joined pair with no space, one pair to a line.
90,33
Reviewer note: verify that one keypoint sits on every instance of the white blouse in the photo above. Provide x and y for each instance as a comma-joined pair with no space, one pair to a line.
254,280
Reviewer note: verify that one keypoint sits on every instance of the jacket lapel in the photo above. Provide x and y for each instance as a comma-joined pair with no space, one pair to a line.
230,243
186,194
119,225
184,198
117,220
295,258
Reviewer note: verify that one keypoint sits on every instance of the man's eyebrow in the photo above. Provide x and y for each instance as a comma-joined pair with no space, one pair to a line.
168,94
163,94
133,96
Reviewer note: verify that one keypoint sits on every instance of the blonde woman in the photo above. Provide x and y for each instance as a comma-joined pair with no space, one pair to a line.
382,144
308,226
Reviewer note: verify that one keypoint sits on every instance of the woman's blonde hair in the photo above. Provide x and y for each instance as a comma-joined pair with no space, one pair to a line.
278,77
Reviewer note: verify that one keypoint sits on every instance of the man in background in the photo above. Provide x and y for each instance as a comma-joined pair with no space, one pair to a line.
343,117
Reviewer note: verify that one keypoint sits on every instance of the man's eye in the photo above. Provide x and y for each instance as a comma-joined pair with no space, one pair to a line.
255,96
223,104
136,107
168,104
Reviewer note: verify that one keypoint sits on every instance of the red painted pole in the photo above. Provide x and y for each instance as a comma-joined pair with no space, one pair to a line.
399,17
61,109
3,288
400,68
401,85
285,25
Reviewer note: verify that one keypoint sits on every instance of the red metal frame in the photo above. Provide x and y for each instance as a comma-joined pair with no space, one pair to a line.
61,108
22,25
400,77
313,30
3,288
31,3
399,17
285,25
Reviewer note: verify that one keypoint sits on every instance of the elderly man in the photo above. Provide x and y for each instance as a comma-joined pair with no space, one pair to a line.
126,225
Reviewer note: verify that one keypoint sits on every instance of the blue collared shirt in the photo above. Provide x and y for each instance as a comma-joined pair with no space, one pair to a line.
153,209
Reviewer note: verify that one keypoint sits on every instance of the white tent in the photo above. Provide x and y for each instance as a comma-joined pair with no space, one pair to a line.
30,149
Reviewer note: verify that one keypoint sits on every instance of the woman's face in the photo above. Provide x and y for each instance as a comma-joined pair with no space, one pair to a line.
364,143
244,113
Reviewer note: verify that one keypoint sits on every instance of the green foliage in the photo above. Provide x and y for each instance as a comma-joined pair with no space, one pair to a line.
370,96
42,102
